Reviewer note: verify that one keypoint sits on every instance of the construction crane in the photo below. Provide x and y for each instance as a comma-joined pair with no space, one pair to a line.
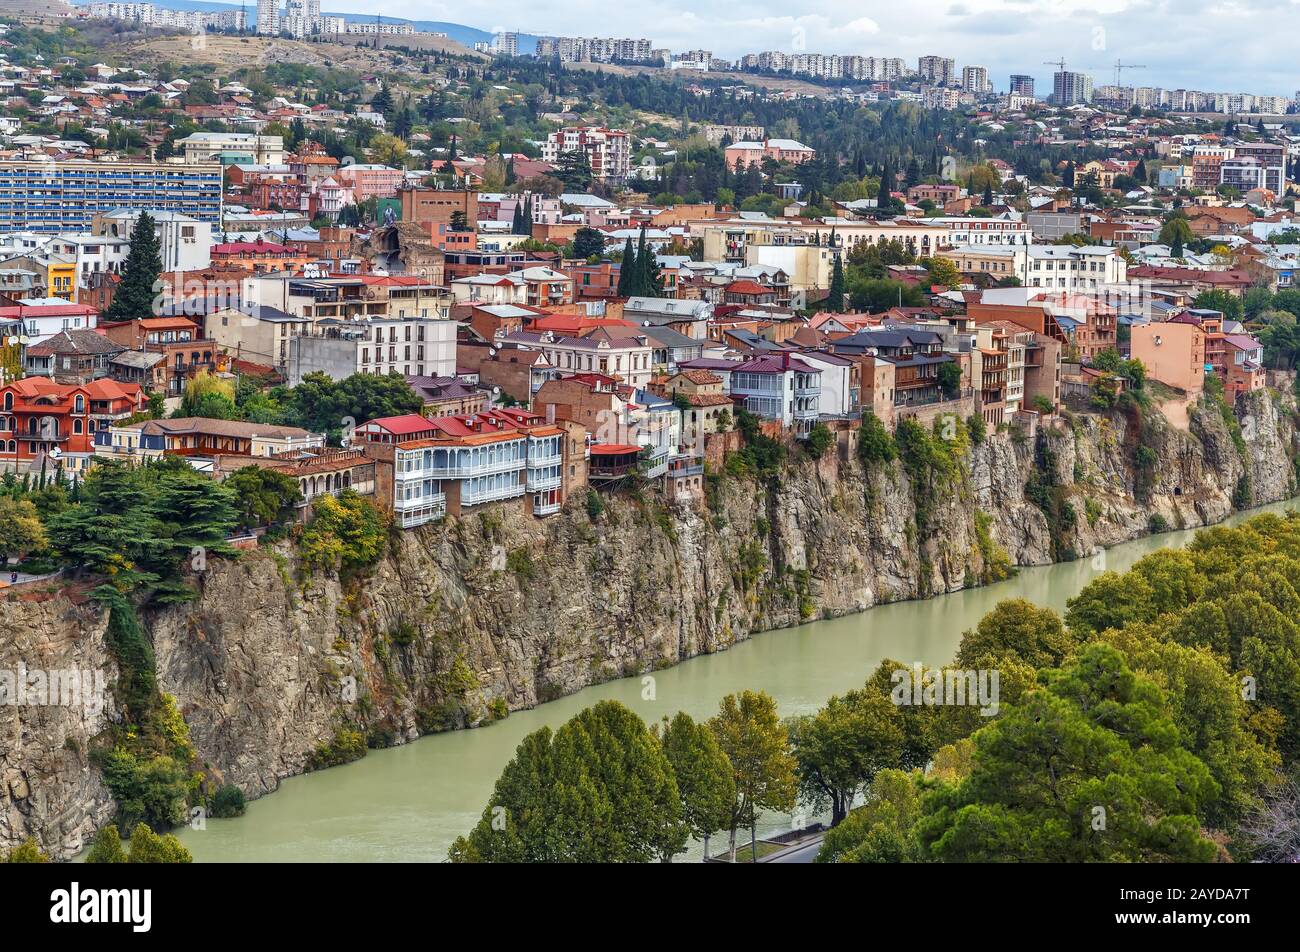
1120,66
1060,65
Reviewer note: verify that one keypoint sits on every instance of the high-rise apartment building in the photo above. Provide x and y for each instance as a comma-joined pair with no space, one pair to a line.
609,151
1021,85
1069,88
268,17
55,196
505,44
938,70
975,79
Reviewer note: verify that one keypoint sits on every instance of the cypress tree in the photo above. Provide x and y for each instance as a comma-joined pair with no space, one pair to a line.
627,270
650,274
835,300
644,265
887,182
134,296
517,223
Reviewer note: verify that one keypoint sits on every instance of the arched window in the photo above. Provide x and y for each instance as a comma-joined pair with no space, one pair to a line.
80,404
76,427
9,400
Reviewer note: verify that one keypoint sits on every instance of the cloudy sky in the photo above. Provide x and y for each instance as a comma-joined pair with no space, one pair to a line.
1212,45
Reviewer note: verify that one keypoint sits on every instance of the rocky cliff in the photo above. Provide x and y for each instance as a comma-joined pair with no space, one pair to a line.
463,621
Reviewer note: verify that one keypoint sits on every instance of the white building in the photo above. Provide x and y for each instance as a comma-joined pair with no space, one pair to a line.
412,346
268,17
998,230
184,243
232,148
1063,268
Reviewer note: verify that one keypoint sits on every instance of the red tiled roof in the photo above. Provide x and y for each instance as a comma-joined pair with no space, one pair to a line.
19,311
774,363
405,424
746,287
1192,275
258,247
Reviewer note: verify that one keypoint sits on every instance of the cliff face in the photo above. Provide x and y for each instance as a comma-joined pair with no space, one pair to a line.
462,621
47,786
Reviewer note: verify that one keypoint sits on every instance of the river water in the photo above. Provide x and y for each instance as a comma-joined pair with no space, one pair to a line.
408,803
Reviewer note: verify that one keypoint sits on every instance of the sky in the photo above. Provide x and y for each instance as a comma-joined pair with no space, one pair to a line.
1210,45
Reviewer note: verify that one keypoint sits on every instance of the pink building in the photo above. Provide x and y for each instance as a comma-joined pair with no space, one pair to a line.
608,150
369,181
779,150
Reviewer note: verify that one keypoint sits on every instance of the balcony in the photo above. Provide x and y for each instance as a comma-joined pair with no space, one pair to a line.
537,462
682,466
468,470
541,483
425,510
547,509
469,498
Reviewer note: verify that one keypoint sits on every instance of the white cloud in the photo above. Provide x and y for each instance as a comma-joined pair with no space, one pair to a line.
1184,43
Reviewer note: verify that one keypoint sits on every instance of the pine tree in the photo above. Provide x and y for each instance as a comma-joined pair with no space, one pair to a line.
627,270
913,172
517,222
134,296
988,194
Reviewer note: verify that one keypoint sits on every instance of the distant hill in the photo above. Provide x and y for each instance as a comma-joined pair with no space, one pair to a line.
467,35
44,7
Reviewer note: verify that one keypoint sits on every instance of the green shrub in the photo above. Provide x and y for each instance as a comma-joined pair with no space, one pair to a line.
346,746
820,439
228,802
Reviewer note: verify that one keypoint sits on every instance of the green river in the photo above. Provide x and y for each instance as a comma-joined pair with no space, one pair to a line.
407,804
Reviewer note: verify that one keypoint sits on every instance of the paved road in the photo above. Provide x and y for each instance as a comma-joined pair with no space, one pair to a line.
803,853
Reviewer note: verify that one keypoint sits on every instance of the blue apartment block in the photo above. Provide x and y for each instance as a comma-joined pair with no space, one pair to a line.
65,196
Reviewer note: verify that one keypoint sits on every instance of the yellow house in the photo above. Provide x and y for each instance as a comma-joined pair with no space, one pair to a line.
61,277
56,275
1103,172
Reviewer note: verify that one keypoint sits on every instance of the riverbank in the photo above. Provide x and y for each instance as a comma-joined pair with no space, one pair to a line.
407,804
488,616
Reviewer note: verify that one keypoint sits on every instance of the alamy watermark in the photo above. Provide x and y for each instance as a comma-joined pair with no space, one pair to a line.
53,687
947,687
